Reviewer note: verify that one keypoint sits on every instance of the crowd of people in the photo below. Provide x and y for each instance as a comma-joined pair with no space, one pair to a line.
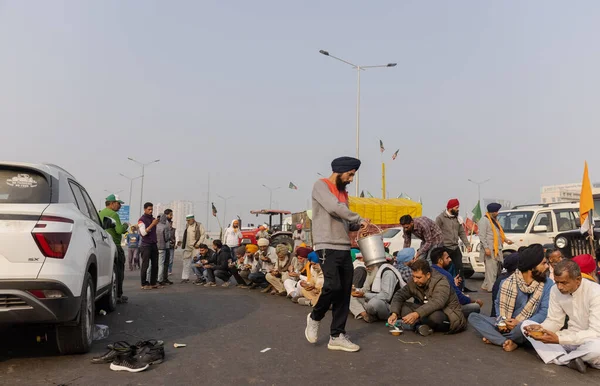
538,297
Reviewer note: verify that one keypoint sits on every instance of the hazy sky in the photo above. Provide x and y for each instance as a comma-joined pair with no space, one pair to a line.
504,90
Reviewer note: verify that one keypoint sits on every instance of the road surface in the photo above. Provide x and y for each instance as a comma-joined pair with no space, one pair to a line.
226,329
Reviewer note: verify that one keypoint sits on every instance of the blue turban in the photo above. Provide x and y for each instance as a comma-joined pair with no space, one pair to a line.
344,164
313,257
405,255
494,207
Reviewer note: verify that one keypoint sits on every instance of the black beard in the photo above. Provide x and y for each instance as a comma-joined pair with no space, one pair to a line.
339,184
540,277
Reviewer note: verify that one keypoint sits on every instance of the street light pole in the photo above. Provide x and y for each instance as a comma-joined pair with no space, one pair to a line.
225,206
130,188
479,183
358,70
271,194
143,165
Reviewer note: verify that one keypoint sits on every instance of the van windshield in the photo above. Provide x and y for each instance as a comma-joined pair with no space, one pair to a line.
515,222
23,186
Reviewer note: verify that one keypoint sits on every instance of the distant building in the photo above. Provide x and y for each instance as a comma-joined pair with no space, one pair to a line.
564,192
180,210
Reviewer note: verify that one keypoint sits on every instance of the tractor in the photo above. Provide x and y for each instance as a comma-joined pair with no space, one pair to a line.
279,233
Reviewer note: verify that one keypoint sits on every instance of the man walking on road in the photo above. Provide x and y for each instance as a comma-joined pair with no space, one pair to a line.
492,239
332,220
452,230
194,235
116,231
149,250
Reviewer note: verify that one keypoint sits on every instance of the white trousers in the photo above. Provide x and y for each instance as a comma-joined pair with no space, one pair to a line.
292,287
559,354
187,269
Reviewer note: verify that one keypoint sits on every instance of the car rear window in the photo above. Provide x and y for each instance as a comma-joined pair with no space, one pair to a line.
23,186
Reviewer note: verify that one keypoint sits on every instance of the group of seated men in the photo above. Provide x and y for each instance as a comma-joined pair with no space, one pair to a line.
542,299
274,269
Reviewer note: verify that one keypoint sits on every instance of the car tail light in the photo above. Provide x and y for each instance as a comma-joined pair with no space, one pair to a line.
52,244
386,245
47,294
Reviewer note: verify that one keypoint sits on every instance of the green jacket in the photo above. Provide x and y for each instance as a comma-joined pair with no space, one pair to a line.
119,228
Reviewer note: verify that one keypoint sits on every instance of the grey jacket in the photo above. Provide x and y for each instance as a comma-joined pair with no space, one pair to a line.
163,233
440,297
452,230
332,220
486,236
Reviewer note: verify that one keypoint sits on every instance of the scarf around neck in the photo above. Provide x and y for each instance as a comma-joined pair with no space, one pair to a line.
508,296
495,224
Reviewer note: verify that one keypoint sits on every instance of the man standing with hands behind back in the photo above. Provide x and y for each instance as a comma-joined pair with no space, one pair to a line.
492,239
332,220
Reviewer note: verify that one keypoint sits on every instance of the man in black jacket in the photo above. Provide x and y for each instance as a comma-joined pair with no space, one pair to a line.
220,268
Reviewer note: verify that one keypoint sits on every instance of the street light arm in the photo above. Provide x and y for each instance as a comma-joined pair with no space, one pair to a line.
379,66
336,58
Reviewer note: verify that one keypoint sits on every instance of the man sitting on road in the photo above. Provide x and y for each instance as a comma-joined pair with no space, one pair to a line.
441,261
554,256
279,272
435,306
511,263
313,285
262,233
425,229
221,268
403,259
578,345
204,259
267,256
523,295
372,302
299,269
587,265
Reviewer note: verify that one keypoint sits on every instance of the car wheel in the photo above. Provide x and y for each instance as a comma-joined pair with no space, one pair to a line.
108,302
78,339
468,273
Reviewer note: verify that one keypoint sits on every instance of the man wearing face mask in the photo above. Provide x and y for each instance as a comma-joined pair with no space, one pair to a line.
453,230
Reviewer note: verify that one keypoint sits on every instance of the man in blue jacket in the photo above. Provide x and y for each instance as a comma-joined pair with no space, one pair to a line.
440,260
523,295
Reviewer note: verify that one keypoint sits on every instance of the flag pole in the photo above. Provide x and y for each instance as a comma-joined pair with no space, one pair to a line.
591,232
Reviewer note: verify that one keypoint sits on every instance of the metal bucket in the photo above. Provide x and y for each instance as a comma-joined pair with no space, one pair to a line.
372,249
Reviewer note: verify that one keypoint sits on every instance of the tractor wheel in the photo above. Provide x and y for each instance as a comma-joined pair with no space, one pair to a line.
283,239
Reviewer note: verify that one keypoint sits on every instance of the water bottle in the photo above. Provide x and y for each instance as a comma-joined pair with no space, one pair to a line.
100,331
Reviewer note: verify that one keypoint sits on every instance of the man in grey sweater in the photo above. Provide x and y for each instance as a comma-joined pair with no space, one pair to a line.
332,220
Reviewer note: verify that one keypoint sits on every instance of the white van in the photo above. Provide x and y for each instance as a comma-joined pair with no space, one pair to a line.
534,224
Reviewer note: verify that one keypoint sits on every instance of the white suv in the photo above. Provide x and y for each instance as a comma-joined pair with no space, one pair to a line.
56,260
534,224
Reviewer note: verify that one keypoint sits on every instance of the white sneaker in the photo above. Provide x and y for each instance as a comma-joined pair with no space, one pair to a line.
312,330
342,343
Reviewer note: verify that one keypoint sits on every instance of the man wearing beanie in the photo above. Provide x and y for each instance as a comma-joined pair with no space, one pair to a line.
332,220
491,236
453,230
524,295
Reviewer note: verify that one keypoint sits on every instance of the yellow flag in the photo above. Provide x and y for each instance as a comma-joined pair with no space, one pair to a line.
586,201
